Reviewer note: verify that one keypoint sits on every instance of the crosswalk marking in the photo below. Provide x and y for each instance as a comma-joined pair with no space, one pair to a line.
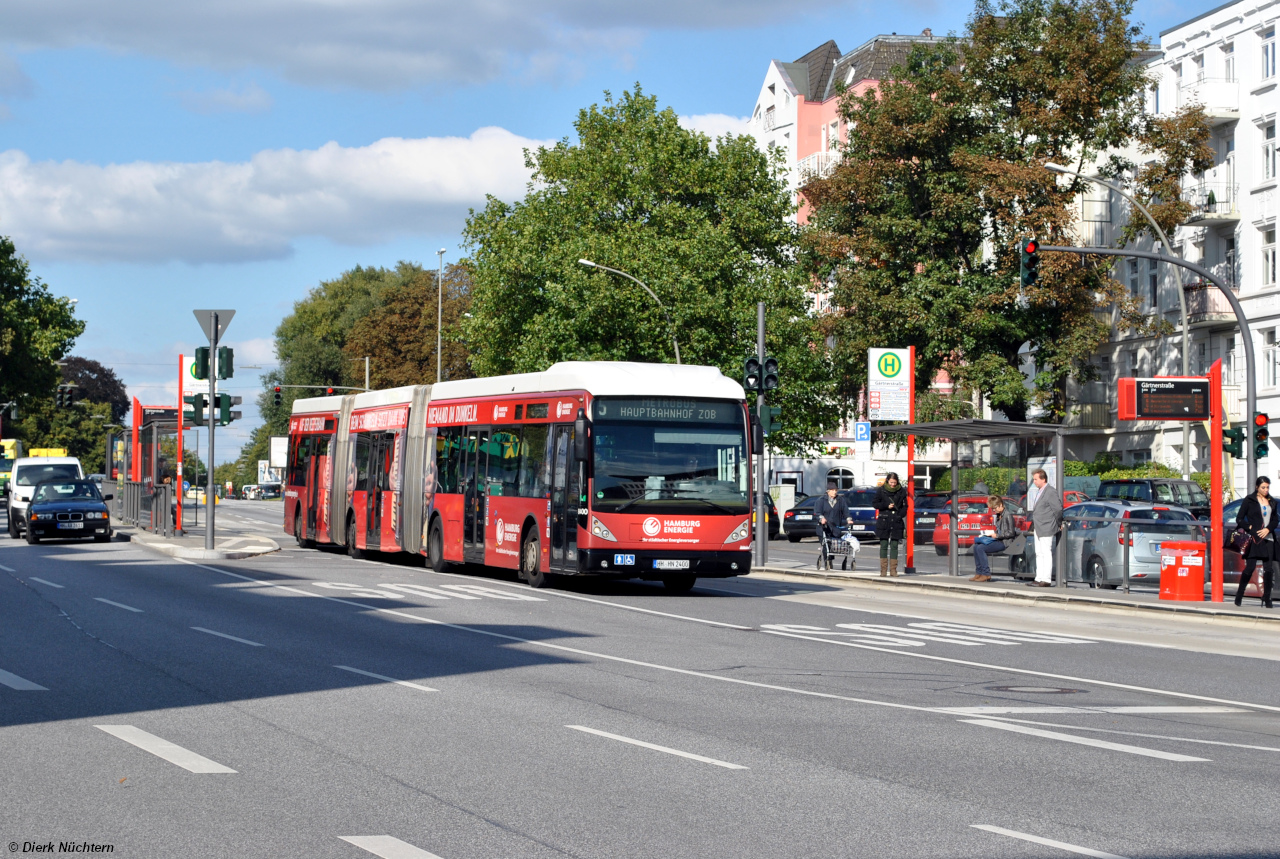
920,634
13,681
161,748
387,847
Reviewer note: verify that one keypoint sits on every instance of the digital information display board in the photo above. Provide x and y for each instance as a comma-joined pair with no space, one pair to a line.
665,410
1166,399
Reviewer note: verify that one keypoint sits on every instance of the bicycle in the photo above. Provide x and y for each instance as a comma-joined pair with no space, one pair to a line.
829,547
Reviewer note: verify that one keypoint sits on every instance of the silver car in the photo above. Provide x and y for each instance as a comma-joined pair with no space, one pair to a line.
1095,549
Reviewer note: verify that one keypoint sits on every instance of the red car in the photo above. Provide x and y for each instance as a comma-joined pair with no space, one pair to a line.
974,519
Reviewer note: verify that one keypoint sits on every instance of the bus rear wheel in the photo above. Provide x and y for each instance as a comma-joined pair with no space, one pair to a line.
435,547
303,542
353,551
531,562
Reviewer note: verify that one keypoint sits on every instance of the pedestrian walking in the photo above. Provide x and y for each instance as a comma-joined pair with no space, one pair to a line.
891,512
1046,519
992,540
1258,516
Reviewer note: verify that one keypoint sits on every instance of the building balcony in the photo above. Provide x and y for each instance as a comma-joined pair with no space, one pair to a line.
1091,416
1206,305
1219,97
817,166
1212,203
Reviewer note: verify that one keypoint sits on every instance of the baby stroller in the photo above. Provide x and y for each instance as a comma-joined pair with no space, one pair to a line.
830,547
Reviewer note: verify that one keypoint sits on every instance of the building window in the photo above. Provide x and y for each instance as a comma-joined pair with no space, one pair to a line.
1269,257
1134,284
1229,62
1270,364
1197,66
1269,53
1269,152
1229,260
1153,284
1140,457
842,477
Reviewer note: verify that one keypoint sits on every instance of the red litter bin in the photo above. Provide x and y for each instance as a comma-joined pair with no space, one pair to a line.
1182,571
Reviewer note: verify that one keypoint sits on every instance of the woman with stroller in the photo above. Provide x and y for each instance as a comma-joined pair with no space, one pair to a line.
891,513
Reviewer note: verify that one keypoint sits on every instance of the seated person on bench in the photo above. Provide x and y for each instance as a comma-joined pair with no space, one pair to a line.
992,540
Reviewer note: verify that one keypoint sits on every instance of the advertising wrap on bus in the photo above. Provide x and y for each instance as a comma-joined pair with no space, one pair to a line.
629,470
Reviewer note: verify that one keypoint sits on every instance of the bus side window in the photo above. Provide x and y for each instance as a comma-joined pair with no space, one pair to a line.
386,460
298,454
504,460
448,441
361,458
533,462
467,459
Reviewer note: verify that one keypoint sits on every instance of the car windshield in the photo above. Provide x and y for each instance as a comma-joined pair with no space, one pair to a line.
30,475
860,497
1131,491
659,455
78,490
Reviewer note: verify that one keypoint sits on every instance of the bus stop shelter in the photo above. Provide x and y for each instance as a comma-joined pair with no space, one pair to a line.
973,430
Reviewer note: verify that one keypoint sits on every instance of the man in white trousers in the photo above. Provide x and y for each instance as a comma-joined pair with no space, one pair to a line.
1046,518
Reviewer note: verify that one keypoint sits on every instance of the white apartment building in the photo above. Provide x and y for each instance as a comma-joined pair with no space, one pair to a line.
1224,60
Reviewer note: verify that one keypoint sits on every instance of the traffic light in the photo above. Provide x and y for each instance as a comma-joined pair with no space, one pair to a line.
329,392
277,398
751,374
771,420
226,362
195,417
1233,441
225,415
201,367
65,396
1030,250
1260,435
770,382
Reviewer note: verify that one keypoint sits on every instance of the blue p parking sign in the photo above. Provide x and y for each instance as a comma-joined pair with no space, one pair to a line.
862,431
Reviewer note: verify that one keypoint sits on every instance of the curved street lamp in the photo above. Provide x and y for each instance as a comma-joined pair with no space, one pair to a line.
652,295
1165,246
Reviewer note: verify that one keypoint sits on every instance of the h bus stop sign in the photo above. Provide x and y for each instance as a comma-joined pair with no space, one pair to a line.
1167,398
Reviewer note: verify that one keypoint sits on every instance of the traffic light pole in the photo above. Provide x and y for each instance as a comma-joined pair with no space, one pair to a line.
209,488
762,526
1250,382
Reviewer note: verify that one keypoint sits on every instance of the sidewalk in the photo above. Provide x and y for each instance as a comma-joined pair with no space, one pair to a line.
229,546
1004,588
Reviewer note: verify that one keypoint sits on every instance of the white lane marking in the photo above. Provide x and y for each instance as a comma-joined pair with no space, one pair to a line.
174,754
7,569
1083,741
1135,710
919,634
13,681
1145,736
494,594
690,755
46,582
386,678
424,591
229,637
118,604
735,680
387,847
1047,842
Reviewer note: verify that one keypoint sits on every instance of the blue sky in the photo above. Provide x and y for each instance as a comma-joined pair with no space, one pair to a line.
160,155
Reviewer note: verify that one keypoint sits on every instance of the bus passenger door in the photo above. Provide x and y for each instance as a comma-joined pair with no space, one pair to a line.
475,500
564,502
379,465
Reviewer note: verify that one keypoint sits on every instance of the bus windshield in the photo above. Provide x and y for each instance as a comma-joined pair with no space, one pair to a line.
657,455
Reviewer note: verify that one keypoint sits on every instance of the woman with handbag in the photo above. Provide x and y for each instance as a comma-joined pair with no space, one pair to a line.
891,521
1259,517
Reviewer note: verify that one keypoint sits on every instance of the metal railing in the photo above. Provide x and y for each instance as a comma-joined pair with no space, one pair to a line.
146,506
1211,200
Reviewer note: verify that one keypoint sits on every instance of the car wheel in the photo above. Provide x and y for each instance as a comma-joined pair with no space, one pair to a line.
354,552
435,548
531,561
1096,572
794,538
942,550
13,524
32,536
102,538
680,584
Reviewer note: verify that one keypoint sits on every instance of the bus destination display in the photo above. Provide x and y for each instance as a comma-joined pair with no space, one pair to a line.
1172,399
664,409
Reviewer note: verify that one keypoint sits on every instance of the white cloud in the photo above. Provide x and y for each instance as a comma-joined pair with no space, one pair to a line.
375,44
228,212
249,99
716,125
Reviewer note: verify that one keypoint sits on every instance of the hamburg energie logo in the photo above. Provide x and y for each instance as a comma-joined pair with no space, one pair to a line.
889,365
652,526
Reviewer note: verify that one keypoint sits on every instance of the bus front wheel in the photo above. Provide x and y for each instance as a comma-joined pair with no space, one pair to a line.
531,561
435,547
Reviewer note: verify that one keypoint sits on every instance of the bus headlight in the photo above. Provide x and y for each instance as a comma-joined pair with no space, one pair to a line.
740,533
598,530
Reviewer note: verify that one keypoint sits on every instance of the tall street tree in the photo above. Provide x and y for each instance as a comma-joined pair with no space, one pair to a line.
37,329
704,226
96,383
943,175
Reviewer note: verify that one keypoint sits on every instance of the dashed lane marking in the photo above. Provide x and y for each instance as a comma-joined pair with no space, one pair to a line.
13,681
1047,842
387,847
1127,710
228,637
417,686
161,748
690,755
46,582
118,604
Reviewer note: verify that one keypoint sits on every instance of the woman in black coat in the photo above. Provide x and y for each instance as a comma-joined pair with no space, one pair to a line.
891,513
1258,516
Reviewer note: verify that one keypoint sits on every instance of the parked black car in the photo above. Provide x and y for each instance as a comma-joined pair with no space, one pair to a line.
68,508
928,506
1157,490
771,516
800,522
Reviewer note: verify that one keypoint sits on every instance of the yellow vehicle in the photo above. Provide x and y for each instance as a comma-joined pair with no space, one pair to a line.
10,449
48,451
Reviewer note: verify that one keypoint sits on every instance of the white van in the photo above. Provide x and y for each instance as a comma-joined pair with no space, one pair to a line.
29,471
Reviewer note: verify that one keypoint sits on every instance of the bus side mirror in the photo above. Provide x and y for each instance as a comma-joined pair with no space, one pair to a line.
757,434
581,437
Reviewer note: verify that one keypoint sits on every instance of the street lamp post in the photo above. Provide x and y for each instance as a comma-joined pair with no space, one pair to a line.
652,295
1166,250
439,311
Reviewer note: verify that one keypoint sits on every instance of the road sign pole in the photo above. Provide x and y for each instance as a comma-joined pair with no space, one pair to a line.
1214,535
909,562
762,527
213,423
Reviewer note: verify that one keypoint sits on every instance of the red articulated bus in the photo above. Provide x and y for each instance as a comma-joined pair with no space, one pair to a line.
601,468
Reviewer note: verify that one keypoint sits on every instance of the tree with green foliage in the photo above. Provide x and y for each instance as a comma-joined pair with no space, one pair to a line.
80,429
943,176
96,383
704,226
37,329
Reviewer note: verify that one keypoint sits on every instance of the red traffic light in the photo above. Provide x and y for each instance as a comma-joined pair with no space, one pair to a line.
1260,419
277,389
329,391
1031,246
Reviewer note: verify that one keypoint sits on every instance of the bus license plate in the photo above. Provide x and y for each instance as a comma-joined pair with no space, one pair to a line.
70,524
668,564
